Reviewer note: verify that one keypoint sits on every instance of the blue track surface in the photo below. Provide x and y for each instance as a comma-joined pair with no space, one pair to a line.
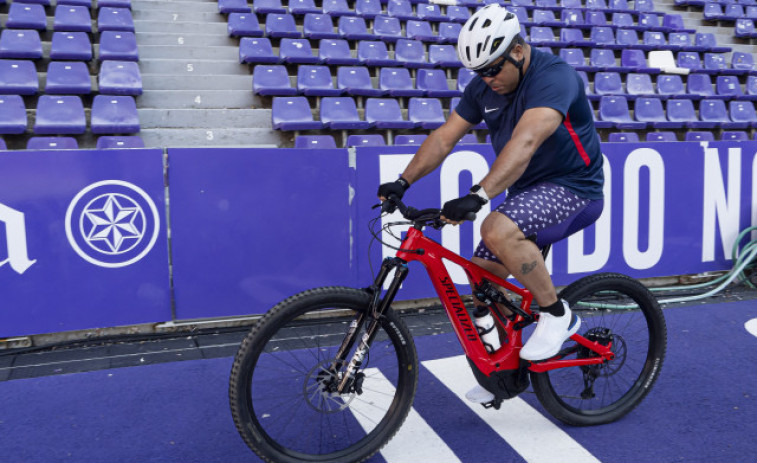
702,409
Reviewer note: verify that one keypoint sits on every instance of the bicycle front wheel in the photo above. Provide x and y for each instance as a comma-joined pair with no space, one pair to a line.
619,311
283,381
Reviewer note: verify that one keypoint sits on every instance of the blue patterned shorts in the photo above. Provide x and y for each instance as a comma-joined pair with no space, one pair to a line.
546,213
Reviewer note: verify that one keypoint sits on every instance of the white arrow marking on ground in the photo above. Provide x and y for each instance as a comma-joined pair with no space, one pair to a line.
751,326
526,430
415,442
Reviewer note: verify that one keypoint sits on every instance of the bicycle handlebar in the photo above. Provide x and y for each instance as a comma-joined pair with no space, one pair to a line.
430,216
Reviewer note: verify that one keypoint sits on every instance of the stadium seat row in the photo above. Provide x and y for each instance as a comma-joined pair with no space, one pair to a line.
86,3
70,143
697,86
70,77
68,18
64,114
635,60
26,44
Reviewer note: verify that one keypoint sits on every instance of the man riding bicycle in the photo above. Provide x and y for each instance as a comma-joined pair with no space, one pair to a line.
548,159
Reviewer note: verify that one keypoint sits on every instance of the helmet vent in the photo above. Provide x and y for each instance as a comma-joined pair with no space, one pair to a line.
473,24
487,23
509,16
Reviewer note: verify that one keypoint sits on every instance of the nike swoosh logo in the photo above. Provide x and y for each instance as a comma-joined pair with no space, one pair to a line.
487,110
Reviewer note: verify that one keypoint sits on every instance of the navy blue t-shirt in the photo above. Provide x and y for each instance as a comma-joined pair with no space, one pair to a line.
571,156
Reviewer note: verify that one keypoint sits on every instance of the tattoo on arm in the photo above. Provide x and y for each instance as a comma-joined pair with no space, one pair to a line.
526,268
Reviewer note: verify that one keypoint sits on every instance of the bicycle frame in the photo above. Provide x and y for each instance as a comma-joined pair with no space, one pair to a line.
418,247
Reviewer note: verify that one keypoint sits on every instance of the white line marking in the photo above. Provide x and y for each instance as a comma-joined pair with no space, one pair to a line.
529,433
751,326
415,442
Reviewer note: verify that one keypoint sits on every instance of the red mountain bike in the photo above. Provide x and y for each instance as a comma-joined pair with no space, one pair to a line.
329,375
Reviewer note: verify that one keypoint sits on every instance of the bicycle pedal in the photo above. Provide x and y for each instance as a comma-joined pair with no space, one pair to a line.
495,404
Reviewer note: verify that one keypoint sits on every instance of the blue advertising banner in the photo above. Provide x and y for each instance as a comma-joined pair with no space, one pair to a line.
250,227
670,209
82,240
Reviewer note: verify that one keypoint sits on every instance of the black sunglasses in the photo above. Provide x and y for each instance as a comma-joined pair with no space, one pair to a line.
492,70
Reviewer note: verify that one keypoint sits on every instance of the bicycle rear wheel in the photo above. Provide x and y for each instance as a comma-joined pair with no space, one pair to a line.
614,309
282,381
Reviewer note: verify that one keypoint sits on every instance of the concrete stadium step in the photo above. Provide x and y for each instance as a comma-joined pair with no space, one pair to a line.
194,39
211,82
194,138
176,14
182,5
204,118
188,52
181,27
198,99
194,67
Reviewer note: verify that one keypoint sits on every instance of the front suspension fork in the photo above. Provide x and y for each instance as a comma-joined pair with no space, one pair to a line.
376,310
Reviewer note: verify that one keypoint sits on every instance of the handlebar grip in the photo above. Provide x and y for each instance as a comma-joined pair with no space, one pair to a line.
470,216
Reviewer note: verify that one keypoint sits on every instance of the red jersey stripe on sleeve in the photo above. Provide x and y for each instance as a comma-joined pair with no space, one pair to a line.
576,140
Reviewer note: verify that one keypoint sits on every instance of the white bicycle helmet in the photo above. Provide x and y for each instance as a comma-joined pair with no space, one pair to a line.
486,35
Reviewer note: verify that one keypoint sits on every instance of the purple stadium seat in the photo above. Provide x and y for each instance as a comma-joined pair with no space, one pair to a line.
707,40
649,110
71,46
571,4
547,5
368,9
233,6
742,112
650,21
340,113
714,112
444,56
123,141
714,63
400,9
643,5
604,37
464,76
353,28
699,86
602,59
271,80
114,114
68,78
743,62
315,141
387,28
52,143
297,51
26,16
615,109
623,137
458,14
430,12
426,112
654,40
751,86
115,19
733,12
293,113
114,3
433,82
547,18
365,140
674,22
661,136
356,80
608,83
639,84
281,26
420,30
12,114
319,26
59,115
572,38
120,78
595,18
635,60
623,20
303,7
543,36
116,45
244,25
448,32
335,8
575,57
72,18
316,81
744,28
734,135
18,77
257,50
385,113
336,52
699,136
728,86
670,86
411,54
268,7
86,3
409,140
397,82
374,53
24,44
627,38
468,139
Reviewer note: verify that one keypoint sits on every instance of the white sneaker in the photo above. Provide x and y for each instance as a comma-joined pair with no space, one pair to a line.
549,335
479,395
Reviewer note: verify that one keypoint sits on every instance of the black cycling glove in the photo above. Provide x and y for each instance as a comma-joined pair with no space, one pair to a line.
463,208
397,188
